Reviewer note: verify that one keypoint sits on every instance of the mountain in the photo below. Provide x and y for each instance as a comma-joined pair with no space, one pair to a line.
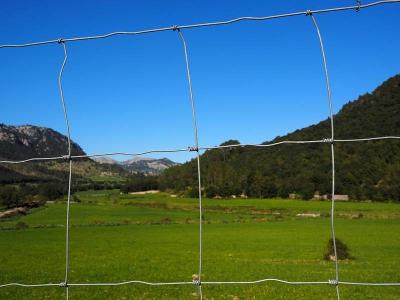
25,141
364,170
148,165
144,165
105,160
28,141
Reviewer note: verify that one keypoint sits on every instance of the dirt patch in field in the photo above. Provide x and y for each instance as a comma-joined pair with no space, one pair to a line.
145,192
14,212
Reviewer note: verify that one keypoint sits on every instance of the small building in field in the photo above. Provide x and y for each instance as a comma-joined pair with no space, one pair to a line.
337,197
342,197
317,196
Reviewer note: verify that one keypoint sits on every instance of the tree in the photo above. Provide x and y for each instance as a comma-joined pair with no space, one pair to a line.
269,189
211,191
9,197
52,191
140,182
255,184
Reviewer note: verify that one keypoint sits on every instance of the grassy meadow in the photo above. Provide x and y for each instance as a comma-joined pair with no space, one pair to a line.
117,237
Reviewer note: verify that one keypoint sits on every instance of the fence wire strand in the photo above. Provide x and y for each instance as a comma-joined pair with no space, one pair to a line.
196,148
141,282
329,96
64,107
201,25
196,142
201,148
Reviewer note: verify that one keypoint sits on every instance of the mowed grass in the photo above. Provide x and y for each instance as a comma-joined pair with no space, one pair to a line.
155,238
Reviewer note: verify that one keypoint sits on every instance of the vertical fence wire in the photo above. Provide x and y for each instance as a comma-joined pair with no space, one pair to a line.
329,95
196,148
69,157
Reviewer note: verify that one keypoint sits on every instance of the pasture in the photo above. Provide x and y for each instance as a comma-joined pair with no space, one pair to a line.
117,237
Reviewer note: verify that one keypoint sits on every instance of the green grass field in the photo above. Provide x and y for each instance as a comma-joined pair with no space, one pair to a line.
105,178
155,238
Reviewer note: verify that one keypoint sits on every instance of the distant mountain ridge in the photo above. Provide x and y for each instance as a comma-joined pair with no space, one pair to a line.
30,141
146,165
27,141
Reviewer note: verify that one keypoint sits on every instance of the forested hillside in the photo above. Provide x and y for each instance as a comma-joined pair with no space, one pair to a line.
364,170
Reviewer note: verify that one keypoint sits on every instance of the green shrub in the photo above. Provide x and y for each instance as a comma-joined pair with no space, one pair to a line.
342,250
21,225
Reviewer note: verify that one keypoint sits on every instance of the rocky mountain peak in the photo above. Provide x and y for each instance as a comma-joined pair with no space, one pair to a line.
145,165
25,141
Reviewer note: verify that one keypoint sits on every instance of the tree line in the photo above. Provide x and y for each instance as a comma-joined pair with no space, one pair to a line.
37,194
33,195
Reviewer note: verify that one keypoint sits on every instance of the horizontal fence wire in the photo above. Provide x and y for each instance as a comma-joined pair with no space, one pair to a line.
259,281
357,7
196,148
192,149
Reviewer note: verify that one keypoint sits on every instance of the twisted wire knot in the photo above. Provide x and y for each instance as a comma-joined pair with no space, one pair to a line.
308,12
358,5
63,284
176,28
196,279
193,149
67,157
197,282
333,282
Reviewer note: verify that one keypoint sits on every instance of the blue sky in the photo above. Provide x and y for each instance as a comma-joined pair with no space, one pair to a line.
252,81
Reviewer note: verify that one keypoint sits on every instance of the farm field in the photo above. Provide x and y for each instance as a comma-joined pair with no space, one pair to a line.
154,238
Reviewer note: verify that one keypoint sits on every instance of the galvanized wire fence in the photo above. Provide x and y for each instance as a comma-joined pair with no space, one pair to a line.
197,281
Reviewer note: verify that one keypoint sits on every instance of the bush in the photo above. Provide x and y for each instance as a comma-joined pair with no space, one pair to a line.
9,197
76,199
211,191
21,225
193,193
52,191
342,250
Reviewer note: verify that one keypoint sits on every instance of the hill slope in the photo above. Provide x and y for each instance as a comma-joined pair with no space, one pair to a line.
22,142
365,170
27,141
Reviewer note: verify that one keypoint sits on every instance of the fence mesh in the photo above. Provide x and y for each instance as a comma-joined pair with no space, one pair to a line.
336,282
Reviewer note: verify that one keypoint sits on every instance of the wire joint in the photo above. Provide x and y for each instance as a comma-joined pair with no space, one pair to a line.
67,157
333,282
193,149
328,140
197,282
358,5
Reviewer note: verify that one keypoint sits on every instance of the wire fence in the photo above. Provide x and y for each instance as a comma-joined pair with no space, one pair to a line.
336,282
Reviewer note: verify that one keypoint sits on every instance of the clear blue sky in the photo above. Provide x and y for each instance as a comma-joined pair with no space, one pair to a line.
252,81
